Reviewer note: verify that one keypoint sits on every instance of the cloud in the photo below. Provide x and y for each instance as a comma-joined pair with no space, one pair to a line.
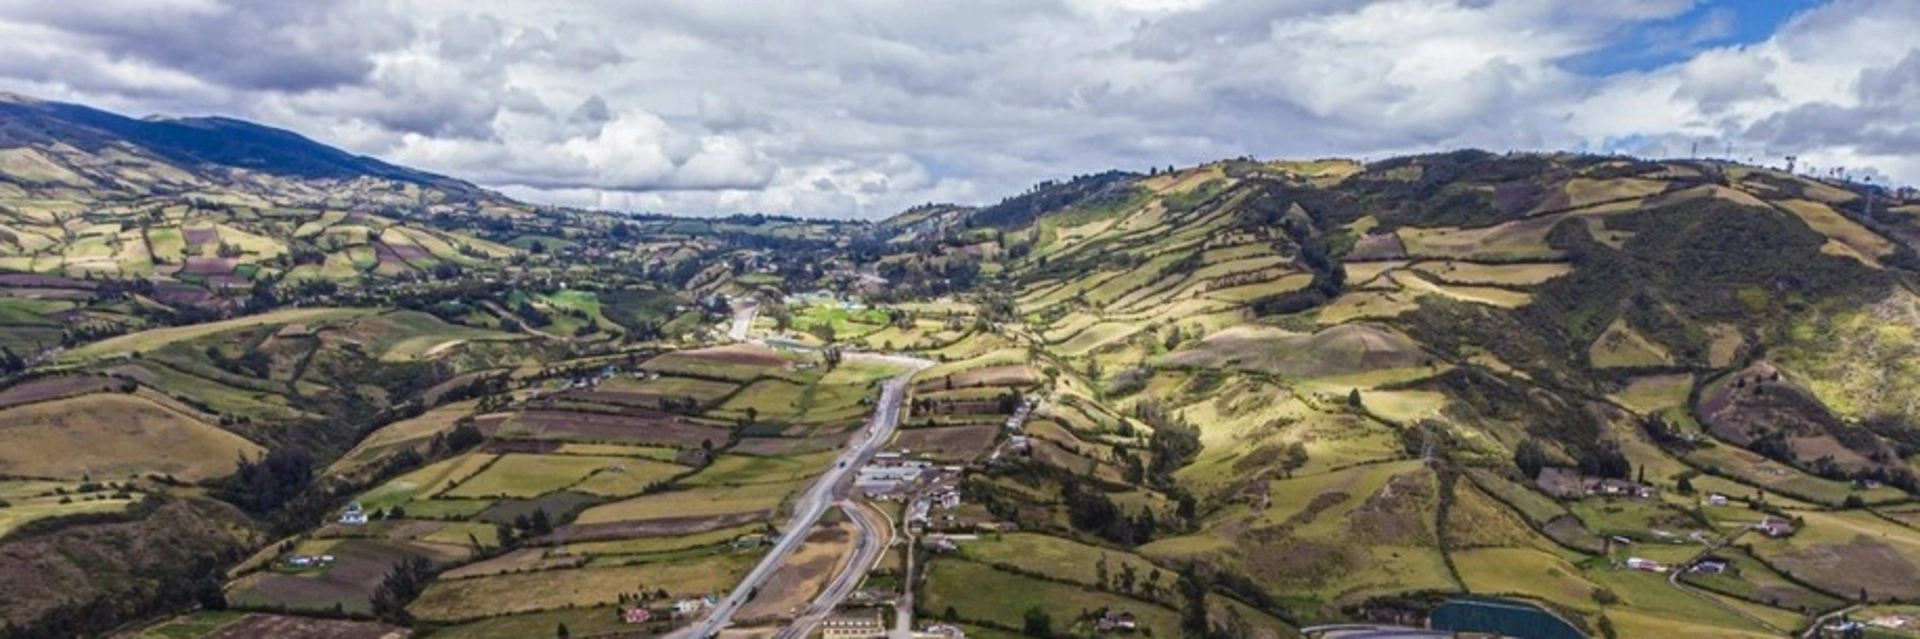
864,107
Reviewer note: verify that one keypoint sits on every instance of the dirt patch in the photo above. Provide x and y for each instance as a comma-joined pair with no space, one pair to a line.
46,388
533,446
633,426
788,445
576,533
279,627
409,252
387,257
1015,375
179,295
208,266
743,354
1379,247
955,443
802,576
202,236
359,567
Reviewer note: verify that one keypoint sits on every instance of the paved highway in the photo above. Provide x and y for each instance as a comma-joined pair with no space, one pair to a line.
814,502
867,551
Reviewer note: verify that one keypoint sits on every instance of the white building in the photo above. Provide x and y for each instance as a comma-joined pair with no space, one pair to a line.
353,515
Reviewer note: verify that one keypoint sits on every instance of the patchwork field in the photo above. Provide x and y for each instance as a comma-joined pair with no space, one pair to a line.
705,501
552,589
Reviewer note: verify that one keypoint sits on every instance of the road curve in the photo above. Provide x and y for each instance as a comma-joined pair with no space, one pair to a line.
814,502
866,553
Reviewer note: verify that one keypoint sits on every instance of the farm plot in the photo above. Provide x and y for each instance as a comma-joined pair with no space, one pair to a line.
358,568
114,435
55,387
34,500
740,470
426,481
633,426
1848,552
738,363
288,627
150,340
703,502
552,589
977,592
1064,559
948,443
521,475
628,477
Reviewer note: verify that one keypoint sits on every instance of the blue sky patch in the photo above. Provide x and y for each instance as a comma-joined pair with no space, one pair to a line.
1708,24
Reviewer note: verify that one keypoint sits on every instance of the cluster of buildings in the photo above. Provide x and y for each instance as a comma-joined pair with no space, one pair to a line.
888,472
308,561
1568,483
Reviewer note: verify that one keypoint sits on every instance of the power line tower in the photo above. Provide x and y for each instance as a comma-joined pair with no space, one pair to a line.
1790,160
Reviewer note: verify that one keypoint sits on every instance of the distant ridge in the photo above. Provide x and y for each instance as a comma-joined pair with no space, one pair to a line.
198,142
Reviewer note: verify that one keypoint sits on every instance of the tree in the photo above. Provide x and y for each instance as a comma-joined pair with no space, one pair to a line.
1037,623
1353,399
950,615
560,632
1685,486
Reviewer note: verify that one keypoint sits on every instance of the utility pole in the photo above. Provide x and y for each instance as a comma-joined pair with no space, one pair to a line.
1790,160
1694,151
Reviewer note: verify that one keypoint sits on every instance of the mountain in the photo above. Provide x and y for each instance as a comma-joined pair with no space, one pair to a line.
206,146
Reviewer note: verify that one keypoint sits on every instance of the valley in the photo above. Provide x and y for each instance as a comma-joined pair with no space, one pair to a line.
319,394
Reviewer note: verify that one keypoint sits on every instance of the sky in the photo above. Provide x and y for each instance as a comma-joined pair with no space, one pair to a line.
861,108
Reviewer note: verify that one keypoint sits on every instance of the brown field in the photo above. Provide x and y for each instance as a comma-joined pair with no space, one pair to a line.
359,567
29,280
45,388
744,355
634,426
1377,247
282,627
199,236
805,572
522,560
208,266
114,435
955,443
1016,375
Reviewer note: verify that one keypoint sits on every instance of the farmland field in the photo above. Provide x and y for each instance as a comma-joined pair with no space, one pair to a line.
696,502
521,475
150,340
978,592
552,589
113,435
737,470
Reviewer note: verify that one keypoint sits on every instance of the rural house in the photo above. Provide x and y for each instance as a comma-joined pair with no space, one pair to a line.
1716,499
853,627
1649,565
1116,621
1774,527
1710,566
353,515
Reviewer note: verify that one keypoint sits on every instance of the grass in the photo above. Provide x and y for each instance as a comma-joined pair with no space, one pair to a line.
652,545
1622,347
700,389
553,589
524,475
1525,572
633,477
1654,393
1751,468
151,340
739,470
25,509
655,453
1847,551
1059,558
1473,273
980,593
767,399
1488,295
427,481
192,625
406,432
114,435
705,501
582,622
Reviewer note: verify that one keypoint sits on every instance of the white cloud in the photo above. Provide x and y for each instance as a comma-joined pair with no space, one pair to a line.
863,107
